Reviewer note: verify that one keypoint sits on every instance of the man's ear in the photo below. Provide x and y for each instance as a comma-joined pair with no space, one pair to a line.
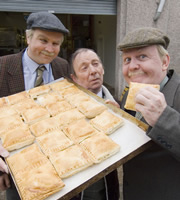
166,61
73,77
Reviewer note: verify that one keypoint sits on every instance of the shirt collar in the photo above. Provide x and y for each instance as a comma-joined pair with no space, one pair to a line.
100,93
163,82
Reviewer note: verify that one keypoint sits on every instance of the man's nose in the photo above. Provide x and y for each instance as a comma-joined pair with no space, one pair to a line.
49,47
92,69
134,64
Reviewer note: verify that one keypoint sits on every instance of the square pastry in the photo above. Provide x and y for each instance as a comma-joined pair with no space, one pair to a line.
37,91
45,126
69,91
91,108
76,99
53,142
58,107
133,89
99,147
69,116
6,111
17,138
18,97
24,105
62,84
49,98
70,161
10,122
107,122
34,114
35,176
79,130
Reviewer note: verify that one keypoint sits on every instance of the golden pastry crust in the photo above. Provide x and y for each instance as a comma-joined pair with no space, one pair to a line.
69,91
37,91
62,84
76,99
35,176
24,105
45,126
18,97
69,116
91,108
17,138
3,101
6,111
49,98
10,122
107,122
79,130
53,142
34,114
58,107
133,89
99,147
70,161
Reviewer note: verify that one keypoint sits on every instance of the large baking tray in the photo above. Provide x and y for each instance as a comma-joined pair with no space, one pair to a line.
132,140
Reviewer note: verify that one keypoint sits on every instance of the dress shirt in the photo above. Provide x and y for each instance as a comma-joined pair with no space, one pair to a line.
29,70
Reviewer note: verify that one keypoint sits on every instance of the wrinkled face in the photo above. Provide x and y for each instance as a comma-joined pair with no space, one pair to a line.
89,71
144,65
44,46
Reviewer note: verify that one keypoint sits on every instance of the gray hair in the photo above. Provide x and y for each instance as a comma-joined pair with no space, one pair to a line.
162,51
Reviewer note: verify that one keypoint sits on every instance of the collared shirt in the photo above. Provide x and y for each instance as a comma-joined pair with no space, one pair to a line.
100,93
29,70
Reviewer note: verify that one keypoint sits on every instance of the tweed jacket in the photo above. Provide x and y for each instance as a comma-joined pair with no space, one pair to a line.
155,173
11,73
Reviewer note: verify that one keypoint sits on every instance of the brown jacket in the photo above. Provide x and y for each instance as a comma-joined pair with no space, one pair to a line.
11,73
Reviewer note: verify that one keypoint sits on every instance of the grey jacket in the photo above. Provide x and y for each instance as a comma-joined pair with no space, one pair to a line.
155,173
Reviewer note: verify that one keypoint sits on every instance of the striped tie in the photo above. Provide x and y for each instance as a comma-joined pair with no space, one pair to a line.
39,79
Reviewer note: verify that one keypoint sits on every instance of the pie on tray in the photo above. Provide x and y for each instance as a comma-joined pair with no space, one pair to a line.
18,97
10,122
91,108
69,116
107,122
62,84
69,91
76,99
45,126
40,90
34,175
79,130
17,138
49,98
3,101
58,107
133,89
6,111
53,142
99,147
70,161
34,114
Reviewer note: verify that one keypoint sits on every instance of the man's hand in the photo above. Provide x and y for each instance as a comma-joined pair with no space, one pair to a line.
4,182
3,153
151,103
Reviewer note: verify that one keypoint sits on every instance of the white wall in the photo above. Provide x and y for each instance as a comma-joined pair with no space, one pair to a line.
105,43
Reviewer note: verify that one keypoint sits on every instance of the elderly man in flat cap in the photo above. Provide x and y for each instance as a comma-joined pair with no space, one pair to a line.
155,173
19,72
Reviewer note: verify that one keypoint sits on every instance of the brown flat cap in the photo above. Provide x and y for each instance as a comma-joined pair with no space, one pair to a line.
143,37
46,21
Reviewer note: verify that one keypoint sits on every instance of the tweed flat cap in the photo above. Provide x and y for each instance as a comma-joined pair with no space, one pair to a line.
142,37
47,21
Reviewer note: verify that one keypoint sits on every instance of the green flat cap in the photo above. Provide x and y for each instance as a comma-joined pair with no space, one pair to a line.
143,37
